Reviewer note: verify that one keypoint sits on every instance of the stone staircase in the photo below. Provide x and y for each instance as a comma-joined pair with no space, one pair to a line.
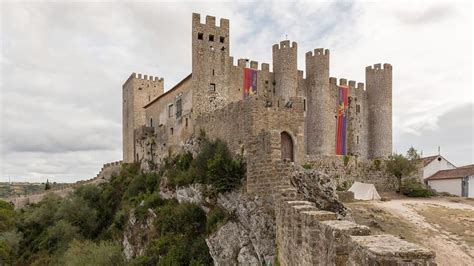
306,235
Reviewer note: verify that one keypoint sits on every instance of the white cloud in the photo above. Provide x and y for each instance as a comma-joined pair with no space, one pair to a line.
62,66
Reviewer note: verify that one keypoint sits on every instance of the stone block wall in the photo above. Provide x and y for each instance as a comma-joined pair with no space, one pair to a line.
356,169
306,235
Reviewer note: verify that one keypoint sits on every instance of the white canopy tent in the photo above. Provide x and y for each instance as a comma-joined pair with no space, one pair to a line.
363,191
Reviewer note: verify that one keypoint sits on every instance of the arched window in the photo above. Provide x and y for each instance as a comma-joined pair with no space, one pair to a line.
286,147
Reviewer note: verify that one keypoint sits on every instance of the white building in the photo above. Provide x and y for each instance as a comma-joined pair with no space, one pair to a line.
433,164
459,181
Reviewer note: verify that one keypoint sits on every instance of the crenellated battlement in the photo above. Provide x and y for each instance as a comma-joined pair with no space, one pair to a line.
210,21
343,82
318,52
378,68
144,77
283,45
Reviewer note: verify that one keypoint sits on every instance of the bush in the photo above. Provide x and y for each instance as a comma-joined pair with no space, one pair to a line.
214,165
307,166
89,253
412,187
345,159
215,218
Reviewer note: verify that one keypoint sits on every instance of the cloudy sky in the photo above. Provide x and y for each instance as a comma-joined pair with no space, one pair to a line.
62,67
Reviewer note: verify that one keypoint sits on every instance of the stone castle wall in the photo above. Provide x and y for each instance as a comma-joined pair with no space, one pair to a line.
306,235
103,176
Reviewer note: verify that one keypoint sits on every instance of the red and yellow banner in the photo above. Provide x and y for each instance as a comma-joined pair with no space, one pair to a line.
341,127
250,82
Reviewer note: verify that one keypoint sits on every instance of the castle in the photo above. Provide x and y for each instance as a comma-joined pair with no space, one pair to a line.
283,114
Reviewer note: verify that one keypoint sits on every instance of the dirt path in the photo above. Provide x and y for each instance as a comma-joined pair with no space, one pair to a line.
450,248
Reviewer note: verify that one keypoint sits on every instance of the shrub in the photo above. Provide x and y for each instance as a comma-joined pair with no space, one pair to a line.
214,165
217,217
412,187
345,159
89,253
377,164
307,166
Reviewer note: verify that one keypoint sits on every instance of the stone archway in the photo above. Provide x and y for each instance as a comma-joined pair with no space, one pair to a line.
287,149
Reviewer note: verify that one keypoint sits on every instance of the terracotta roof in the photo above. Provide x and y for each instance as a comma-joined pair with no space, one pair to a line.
453,173
429,159
168,91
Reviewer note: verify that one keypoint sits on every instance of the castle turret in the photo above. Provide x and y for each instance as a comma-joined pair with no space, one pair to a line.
379,99
285,69
320,122
210,62
137,91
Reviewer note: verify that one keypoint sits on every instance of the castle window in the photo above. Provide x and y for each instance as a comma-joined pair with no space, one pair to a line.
171,131
151,121
357,108
304,104
170,110
178,108
211,37
212,87
223,49
221,39
213,72
357,139
186,123
200,35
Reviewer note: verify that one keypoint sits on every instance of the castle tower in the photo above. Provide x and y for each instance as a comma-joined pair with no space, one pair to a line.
210,62
379,98
137,91
320,122
285,69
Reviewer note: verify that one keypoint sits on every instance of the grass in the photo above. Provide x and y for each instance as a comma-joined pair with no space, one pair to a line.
456,221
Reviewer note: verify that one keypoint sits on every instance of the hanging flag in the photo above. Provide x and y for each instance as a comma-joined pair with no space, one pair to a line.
250,82
341,127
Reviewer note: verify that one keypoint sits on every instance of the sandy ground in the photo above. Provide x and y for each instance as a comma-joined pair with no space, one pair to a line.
450,248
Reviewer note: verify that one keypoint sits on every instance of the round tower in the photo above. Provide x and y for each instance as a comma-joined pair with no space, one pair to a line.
379,99
285,69
320,123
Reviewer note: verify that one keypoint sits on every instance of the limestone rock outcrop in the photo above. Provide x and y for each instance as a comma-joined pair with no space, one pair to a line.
318,187
249,239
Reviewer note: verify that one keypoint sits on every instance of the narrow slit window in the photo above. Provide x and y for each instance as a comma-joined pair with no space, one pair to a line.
211,37
151,121
186,123
171,131
200,35
170,110
304,104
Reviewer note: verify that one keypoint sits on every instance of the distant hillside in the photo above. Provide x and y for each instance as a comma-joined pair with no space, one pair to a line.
23,188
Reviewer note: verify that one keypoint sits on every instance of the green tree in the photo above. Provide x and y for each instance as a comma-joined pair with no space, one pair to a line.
401,166
47,186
